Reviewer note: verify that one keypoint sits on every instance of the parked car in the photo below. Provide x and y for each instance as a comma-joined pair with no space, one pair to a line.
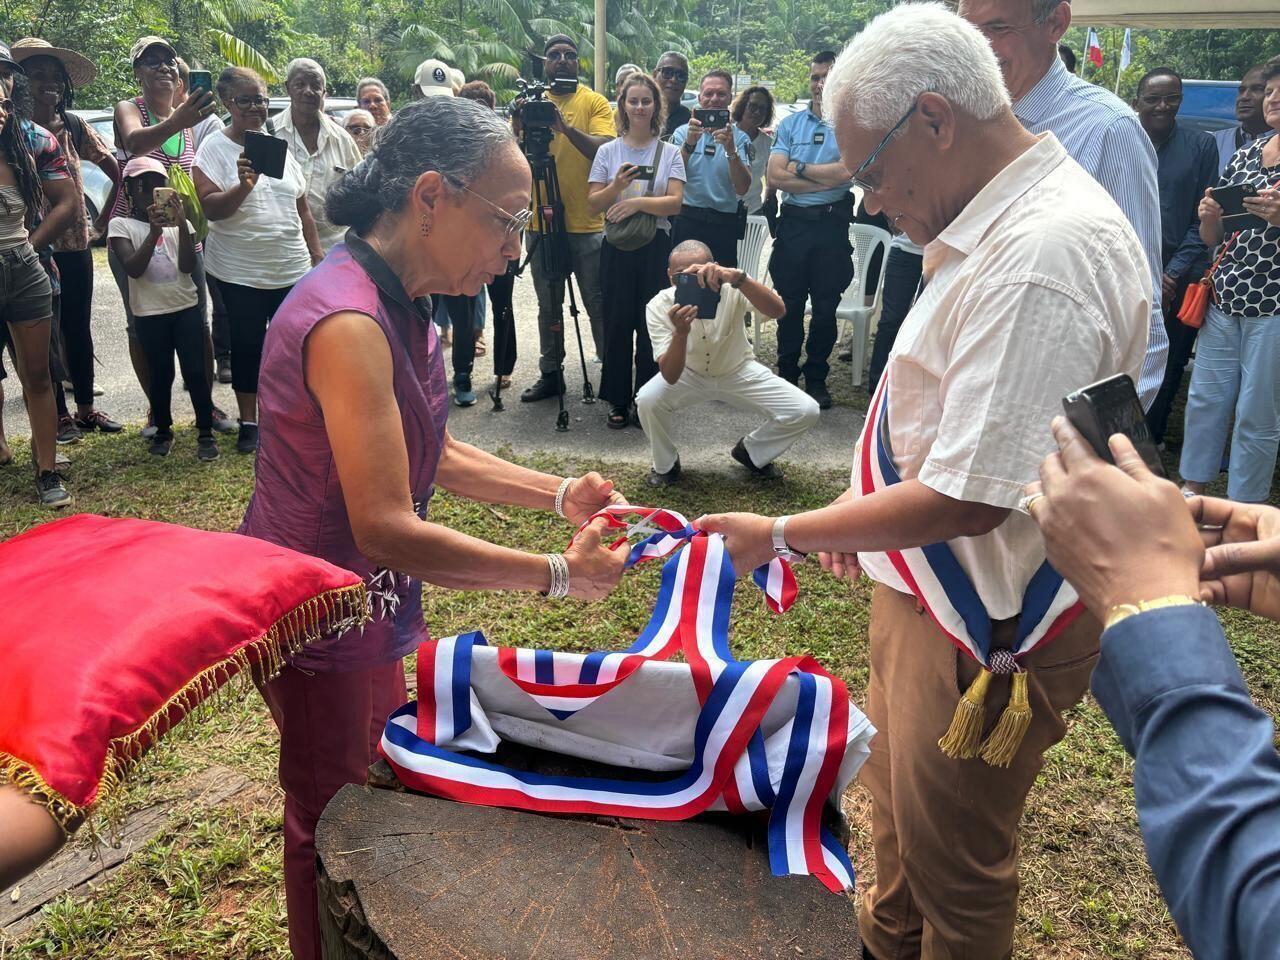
97,185
1208,105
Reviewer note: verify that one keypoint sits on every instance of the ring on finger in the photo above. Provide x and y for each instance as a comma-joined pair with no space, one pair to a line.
1028,504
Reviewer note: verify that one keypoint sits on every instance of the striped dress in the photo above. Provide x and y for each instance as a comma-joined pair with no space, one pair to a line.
185,156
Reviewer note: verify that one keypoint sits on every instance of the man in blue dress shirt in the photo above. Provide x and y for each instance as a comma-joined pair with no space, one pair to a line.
1097,129
1206,774
717,164
1252,124
1188,165
812,259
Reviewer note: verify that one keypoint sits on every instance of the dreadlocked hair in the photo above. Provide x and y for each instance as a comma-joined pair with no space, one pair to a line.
17,149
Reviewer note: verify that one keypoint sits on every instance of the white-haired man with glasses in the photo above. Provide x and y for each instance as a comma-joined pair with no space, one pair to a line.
1037,286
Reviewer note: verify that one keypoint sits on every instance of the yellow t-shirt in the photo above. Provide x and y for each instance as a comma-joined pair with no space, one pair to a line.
588,111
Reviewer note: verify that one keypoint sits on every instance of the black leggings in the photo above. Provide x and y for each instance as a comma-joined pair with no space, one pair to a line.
162,335
249,312
629,279
76,270
504,324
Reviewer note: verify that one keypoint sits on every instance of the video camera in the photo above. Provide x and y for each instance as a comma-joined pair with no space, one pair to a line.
538,114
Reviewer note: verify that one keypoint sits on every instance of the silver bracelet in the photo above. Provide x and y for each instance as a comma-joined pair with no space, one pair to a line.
564,488
559,568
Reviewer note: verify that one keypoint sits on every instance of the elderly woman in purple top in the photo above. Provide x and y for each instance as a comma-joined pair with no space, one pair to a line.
353,442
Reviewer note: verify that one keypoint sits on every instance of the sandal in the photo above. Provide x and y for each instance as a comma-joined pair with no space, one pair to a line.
619,417
481,350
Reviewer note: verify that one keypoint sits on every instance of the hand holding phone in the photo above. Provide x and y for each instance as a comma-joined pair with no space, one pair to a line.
198,82
691,292
166,201
1235,216
1108,407
267,154
626,174
712,119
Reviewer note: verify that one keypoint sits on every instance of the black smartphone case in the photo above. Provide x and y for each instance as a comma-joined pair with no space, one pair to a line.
266,153
1108,407
691,294
1234,215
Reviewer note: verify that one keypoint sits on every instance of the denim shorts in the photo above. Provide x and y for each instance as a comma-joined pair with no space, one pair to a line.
25,293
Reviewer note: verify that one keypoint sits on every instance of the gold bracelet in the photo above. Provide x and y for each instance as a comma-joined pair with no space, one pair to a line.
1122,611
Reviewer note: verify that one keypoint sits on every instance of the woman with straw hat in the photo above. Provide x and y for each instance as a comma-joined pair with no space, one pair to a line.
55,74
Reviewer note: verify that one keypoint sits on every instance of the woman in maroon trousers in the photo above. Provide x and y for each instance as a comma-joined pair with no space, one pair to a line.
352,444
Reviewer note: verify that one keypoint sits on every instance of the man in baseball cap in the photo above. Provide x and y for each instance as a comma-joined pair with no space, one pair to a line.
146,43
8,67
6,58
433,78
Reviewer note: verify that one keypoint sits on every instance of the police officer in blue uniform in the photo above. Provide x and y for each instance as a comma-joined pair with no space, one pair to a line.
812,259
717,164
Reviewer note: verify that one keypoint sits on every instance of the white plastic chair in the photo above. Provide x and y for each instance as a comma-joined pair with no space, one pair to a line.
751,259
853,309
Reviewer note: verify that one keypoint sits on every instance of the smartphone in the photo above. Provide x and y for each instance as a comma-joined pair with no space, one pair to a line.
1109,407
690,293
1234,215
198,82
646,170
162,197
711,119
266,153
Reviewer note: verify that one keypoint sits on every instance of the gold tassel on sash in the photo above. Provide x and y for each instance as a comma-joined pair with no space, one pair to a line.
1002,745
964,737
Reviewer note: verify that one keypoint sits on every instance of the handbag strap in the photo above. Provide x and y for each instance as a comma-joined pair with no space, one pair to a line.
657,159
1222,253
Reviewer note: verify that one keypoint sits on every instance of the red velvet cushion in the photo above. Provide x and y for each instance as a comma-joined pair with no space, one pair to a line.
114,629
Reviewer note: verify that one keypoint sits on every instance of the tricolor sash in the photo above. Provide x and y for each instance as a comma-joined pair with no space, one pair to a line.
934,575
777,735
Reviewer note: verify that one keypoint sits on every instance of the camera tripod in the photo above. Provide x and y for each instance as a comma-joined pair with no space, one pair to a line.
552,244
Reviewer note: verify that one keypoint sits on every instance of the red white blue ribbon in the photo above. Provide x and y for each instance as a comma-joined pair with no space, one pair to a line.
934,575
807,760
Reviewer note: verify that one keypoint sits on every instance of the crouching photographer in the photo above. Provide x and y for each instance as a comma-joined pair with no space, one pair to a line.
1206,772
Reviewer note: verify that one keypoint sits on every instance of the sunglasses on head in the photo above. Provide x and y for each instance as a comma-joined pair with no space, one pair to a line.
673,73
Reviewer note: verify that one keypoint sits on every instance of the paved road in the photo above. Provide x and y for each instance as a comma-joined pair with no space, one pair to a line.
706,438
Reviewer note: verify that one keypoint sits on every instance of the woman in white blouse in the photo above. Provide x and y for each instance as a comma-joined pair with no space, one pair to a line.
631,277
262,238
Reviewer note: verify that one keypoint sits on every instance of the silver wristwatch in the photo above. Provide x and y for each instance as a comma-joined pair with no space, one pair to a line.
780,548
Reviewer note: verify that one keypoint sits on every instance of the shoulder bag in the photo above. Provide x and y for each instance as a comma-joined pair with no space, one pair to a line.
639,228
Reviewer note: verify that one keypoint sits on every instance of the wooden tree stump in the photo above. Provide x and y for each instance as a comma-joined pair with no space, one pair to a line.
410,877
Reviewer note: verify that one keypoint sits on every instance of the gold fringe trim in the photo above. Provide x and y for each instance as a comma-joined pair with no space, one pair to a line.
257,663
964,736
1003,743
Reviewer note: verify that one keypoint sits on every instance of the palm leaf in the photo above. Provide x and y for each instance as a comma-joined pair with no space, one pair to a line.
235,51
423,43
505,18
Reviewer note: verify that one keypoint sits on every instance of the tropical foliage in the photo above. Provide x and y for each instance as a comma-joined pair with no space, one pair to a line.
493,39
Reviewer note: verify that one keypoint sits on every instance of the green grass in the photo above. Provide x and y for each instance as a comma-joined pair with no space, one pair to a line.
210,883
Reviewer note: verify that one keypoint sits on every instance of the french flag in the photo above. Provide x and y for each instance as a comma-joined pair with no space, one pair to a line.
1094,51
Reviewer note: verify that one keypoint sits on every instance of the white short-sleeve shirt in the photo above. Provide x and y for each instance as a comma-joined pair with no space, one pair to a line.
163,288
261,244
1039,287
